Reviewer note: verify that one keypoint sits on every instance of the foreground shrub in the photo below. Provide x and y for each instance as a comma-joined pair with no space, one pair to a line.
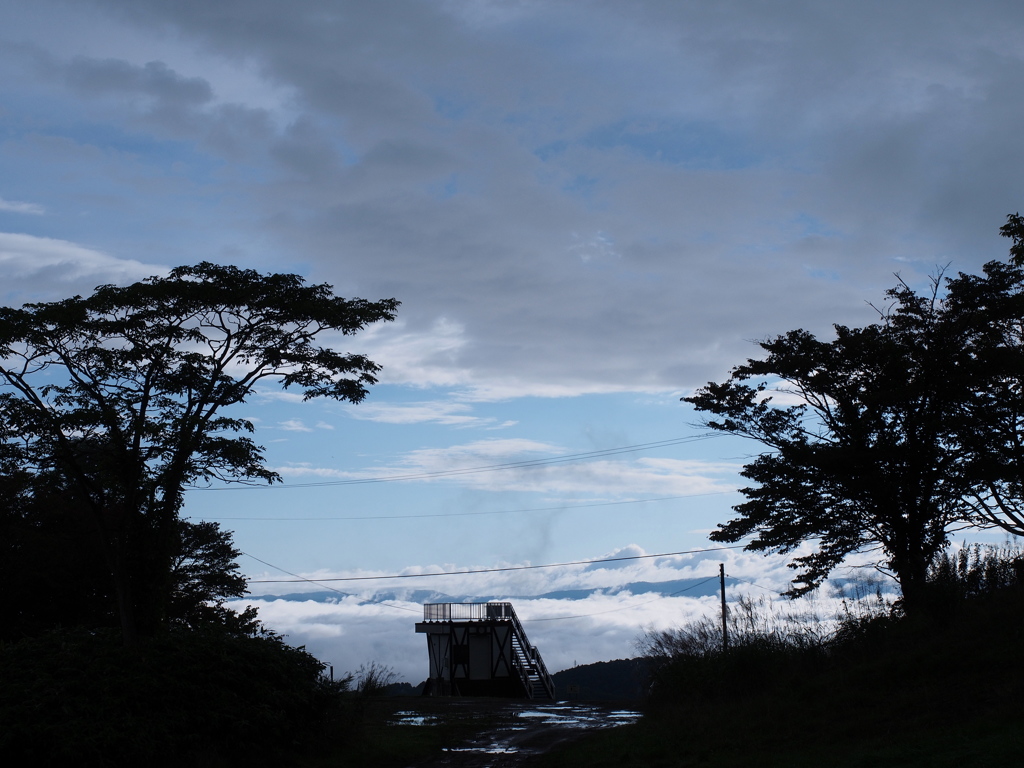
78,697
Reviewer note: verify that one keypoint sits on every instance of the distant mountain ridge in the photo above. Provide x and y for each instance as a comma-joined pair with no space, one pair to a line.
688,587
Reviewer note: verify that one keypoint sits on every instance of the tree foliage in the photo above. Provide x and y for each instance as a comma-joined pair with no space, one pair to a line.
989,311
888,436
118,400
52,576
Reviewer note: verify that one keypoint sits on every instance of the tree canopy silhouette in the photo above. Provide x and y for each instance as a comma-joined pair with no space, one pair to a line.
889,436
989,310
121,395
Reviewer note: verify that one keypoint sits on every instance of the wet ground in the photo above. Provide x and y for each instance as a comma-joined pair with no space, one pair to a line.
513,731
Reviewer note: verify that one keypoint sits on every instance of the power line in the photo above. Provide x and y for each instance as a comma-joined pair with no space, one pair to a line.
332,589
766,589
480,514
525,464
554,565
482,570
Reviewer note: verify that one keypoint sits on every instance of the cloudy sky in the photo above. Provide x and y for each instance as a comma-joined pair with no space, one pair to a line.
587,209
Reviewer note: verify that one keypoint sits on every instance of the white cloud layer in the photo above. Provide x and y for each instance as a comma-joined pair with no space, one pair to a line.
449,413
294,425
604,624
35,265
12,206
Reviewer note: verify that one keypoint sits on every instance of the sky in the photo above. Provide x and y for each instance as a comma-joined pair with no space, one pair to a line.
588,209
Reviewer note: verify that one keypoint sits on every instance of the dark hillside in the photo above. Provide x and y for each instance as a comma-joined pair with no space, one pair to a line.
619,680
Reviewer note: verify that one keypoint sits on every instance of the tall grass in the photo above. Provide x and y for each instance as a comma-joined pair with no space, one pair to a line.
373,679
766,644
771,643
977,570
751,622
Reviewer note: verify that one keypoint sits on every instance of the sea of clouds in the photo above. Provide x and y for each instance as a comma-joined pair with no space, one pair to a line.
575,614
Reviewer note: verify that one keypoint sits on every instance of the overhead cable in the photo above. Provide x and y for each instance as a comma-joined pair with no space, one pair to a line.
766,589
332,589
525,464
480,514
483,570
374,601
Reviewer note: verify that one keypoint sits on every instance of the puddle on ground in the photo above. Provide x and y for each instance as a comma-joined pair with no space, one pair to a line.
524,722
412,718
493,750
569,715
579,716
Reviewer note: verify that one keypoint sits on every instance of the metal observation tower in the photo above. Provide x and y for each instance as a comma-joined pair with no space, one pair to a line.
480,649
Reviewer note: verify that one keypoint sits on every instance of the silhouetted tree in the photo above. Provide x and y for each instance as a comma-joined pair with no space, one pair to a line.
121,395
901,430
204,573
988,311
1014,229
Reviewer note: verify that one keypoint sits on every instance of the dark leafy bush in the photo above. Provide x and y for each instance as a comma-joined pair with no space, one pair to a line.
78,697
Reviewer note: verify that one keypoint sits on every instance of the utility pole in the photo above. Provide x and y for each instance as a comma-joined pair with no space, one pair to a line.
725,625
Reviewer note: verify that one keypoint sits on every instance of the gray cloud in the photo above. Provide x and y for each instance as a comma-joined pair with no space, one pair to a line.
598,198
154,79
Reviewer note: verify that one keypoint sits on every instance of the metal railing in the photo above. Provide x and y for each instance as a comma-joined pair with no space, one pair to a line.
542,672
468,612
